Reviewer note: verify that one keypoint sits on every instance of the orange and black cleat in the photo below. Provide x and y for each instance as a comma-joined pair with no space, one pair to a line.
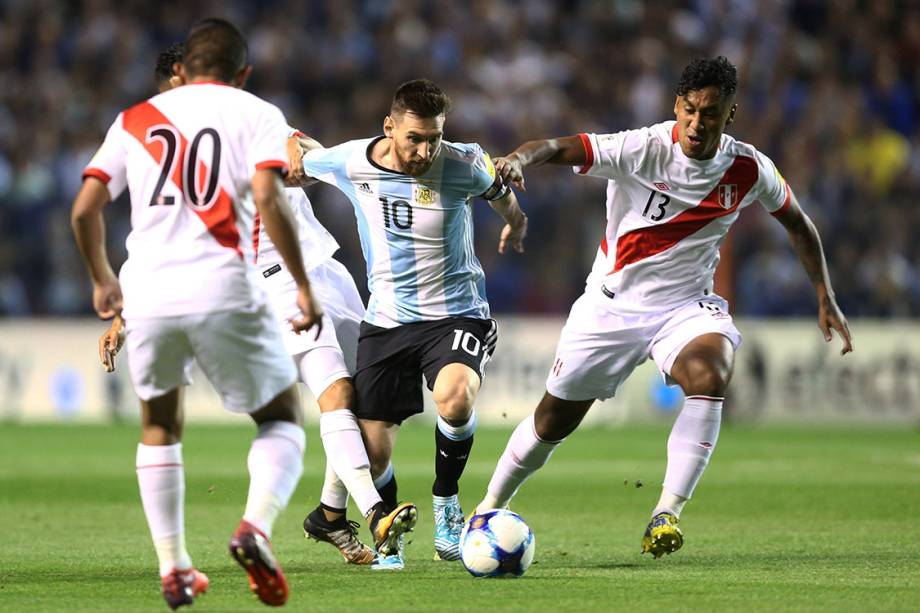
181,586
252,550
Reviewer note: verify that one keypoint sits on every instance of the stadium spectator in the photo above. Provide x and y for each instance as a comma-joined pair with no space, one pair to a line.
825,70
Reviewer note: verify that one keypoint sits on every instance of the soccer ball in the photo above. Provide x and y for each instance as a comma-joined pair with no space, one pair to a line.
496,544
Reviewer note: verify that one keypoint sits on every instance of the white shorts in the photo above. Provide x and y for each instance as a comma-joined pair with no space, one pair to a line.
599,349
240,352
324,360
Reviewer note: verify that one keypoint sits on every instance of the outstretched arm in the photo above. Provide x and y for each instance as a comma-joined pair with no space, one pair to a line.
807,244
568,150
89,232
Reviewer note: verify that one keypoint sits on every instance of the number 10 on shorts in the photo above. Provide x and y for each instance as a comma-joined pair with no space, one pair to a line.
466,341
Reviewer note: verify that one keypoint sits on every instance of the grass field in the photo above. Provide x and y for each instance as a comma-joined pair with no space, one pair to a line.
785,519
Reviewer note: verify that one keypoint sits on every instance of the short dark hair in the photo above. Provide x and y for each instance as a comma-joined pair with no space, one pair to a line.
704,72
165,61
215,47
420,97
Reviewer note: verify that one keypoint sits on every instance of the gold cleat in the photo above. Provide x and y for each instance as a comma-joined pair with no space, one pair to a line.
662,535
388,528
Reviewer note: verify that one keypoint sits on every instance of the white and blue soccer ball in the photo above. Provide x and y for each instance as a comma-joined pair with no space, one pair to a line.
497,543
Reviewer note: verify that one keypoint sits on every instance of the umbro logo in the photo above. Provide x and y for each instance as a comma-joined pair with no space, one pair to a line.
662,186
364,187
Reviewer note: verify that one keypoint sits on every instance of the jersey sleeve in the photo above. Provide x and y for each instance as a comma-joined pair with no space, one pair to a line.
773,192
485,181
613,155
269,145
327,164
108,164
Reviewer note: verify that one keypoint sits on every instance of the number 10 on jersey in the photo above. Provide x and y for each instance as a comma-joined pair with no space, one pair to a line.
396,213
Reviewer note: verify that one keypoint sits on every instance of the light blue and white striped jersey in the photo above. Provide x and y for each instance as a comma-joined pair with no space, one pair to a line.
416,232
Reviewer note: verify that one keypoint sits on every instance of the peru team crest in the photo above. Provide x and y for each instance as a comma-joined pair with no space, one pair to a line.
728,195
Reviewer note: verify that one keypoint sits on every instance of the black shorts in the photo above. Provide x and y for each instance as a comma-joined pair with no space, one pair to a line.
391,362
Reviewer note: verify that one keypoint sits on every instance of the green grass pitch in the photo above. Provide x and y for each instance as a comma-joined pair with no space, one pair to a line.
784,519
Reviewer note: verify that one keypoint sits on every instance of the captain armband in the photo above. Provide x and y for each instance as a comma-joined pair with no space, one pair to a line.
497,191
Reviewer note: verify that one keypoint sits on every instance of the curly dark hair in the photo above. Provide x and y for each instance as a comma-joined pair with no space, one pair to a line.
165,61
704,72
421,97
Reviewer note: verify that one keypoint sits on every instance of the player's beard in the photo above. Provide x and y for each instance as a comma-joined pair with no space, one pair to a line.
416,167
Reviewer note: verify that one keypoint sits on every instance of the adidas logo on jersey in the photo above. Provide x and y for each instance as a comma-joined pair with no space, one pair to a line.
364,187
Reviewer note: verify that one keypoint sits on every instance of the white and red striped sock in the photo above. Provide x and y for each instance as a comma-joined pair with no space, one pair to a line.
161,479
275,466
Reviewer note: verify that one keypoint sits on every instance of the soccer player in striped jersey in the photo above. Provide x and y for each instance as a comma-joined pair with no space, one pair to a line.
325,364
199,161
412,194
673,191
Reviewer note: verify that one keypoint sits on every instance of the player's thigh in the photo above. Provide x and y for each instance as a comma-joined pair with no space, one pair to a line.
339,297
708,315
388,379
321,366
597,351
243,356
455,353
160,356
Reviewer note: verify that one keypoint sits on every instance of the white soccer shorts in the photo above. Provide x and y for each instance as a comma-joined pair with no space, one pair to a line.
599,349
240,352
324,360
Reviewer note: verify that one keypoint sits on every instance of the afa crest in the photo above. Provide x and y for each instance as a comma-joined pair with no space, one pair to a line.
424,195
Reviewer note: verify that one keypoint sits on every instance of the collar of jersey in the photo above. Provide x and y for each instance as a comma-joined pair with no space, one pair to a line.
210,83
370,158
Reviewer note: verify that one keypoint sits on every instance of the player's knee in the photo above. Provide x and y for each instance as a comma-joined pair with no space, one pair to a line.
378,464
706,377
456,406
339,395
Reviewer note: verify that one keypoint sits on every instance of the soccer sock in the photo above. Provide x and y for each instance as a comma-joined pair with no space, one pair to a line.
161,479
334,496
690,445
524,455
346,453
386,487
453,445
275,465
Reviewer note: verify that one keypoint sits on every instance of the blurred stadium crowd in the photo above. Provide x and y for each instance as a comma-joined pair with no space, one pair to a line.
830,90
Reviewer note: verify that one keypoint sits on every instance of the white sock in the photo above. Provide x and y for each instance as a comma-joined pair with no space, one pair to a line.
161,480
690,445
275,465
334,494
669,502
524,455
461,432
346,453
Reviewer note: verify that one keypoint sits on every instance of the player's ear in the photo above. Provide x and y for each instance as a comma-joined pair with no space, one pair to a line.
731,115
388,126
241,77
676,105
179,73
